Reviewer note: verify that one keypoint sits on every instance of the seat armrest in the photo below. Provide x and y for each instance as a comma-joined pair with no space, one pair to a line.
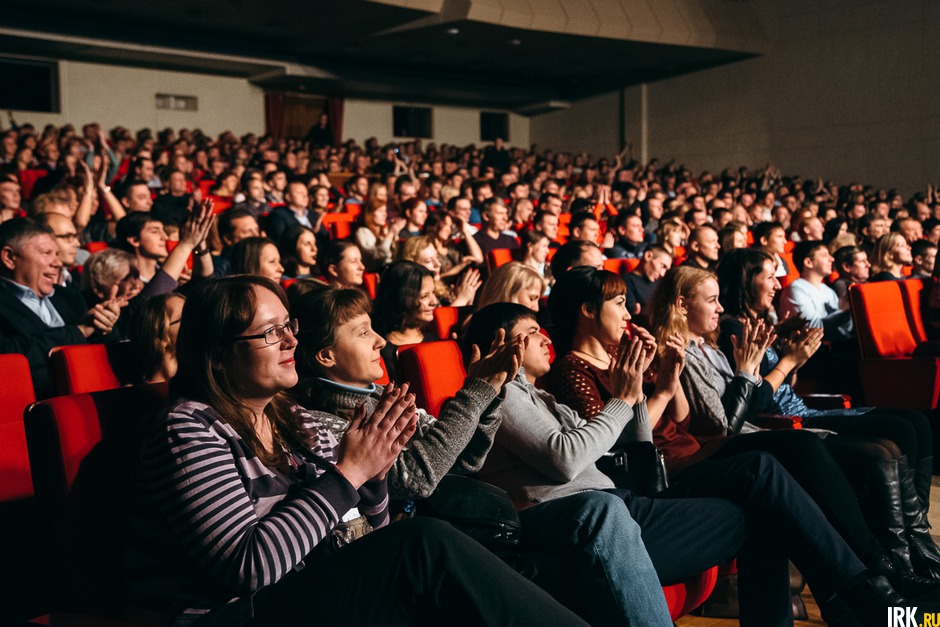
778,421
827,401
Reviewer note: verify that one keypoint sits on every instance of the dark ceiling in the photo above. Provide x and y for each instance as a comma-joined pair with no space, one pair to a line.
362,49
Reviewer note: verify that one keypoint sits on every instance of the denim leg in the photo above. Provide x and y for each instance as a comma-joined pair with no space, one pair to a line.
685,537
596,535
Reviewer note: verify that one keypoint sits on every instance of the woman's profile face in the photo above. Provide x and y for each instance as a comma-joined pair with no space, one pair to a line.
356,353
424,312
269,263
539,251
901,252
380,216
429,259
613,320
445,230
527,297
703,309
349,269
307,249
765,287
262,370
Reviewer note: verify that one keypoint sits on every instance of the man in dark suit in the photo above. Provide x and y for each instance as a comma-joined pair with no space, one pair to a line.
35,316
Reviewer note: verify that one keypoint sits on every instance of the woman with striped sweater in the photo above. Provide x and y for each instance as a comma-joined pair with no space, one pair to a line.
246,502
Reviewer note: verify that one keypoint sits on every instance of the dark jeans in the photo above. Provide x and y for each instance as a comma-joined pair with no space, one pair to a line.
414,572
805,456
783,524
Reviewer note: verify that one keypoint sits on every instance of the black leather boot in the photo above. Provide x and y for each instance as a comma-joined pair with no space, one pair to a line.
893,531
925,556
857,605
923,475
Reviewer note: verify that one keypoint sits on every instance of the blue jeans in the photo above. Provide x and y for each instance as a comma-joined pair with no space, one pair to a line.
603,547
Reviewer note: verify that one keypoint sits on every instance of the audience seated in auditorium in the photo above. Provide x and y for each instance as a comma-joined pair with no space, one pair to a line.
703,249
495,222
290,484
341,264
888,256
422,251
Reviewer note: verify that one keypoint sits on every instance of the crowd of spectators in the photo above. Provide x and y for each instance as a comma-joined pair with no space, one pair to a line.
153,238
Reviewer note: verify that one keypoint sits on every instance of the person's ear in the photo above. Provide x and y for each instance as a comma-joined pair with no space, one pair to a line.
331,271
6,257
134,242
586,311
681,305
326,358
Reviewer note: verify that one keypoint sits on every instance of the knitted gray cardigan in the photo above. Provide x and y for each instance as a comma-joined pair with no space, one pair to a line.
458,441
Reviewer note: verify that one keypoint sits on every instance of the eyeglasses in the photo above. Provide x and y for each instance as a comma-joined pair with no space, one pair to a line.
275,334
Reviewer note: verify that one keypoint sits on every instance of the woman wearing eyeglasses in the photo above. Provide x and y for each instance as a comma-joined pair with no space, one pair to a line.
240,493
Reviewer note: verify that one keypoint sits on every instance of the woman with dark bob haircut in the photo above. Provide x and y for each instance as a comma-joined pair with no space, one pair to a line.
895,444
243,495
258,256
405,300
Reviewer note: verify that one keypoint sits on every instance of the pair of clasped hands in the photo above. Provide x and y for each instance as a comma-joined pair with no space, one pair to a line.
797,344
372,442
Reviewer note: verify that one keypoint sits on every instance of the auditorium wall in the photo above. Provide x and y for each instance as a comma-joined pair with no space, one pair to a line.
846,90
126,96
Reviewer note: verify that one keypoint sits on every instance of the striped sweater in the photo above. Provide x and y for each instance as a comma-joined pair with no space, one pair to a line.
214,524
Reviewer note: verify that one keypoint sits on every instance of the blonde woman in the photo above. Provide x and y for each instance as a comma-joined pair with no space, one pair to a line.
890,254
513,282
422,251
671,235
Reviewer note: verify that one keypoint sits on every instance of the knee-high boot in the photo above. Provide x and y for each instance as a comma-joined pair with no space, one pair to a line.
924,554
923,475
892,533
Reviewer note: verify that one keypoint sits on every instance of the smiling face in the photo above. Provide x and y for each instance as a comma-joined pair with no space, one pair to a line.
348,272
354,359
702,309
536,359
765,286
424,312
263,370
152,241
35,264
430,260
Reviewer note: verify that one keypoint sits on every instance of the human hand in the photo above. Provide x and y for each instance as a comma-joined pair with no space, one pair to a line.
626,370
502,362
802,345
671,364
467,286
790,324
397,225
195,229
649,344
373,442
749,347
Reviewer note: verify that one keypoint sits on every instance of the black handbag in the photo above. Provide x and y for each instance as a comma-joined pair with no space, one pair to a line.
638,466
480,510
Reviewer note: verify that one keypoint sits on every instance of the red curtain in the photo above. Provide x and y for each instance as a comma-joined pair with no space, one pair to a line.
274,114
334,107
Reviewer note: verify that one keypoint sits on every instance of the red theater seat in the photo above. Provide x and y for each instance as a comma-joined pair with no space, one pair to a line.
898,368
370,281
498,257
435,371
16,394
83,368
82,449
447,320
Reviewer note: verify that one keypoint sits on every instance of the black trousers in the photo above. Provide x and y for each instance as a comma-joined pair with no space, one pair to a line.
908,430
414,572
783,524
805,456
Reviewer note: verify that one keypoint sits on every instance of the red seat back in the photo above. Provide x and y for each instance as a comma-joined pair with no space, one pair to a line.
28,180
435,371
94,247
370,281
881,320
793,272
84,368
447,320
498,257
621,265
16,394
915,292
83,449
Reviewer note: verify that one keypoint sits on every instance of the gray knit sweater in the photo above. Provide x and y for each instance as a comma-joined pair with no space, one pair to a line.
545,451
457,441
